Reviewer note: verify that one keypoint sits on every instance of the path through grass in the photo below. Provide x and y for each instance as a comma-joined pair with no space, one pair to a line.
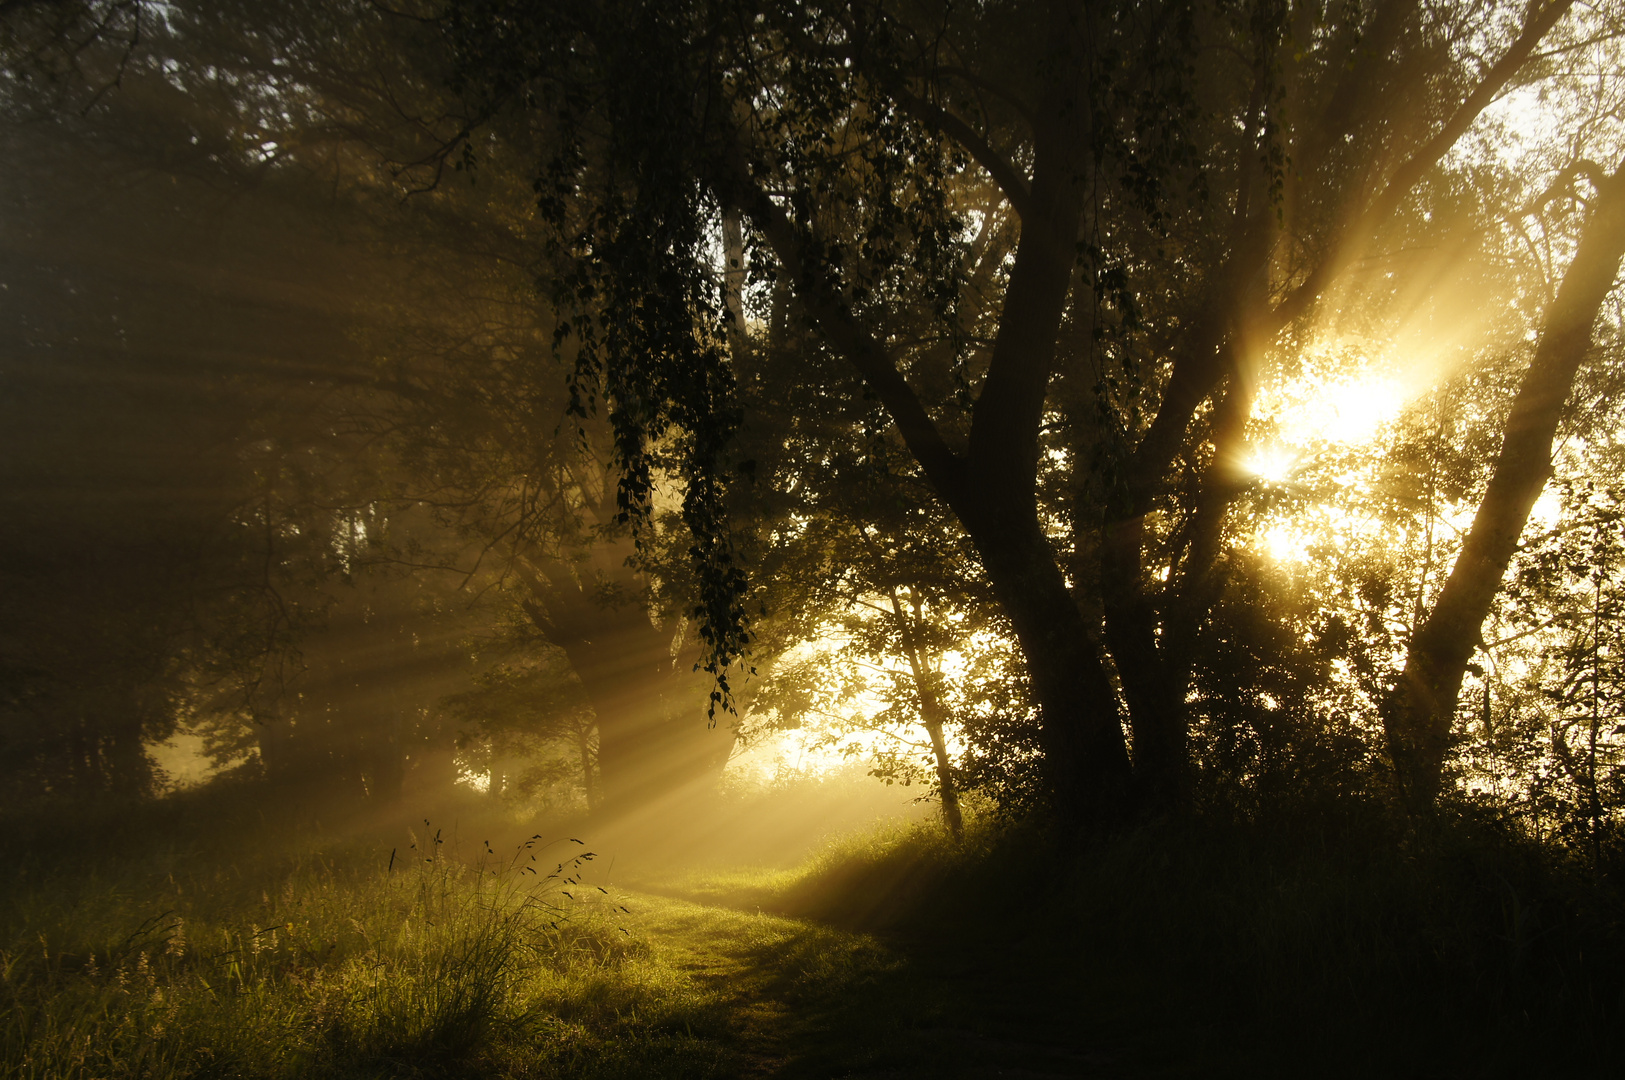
798,998
1165,954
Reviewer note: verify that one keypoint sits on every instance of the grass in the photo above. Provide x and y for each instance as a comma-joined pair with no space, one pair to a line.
432,966
159,947
213,937
1211,950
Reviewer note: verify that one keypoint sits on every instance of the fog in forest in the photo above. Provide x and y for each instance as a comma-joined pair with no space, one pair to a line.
743,539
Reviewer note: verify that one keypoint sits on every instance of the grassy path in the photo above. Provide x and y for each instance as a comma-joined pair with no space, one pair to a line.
884,956
796,998
176,966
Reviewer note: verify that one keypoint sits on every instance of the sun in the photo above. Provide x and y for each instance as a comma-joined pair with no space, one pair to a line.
1273,464
1326,407
1337,412
1340,401
1354,412
1284,543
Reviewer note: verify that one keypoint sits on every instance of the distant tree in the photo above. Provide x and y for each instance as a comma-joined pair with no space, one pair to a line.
876,671
470,420
146,354
180,303
422,387
526,725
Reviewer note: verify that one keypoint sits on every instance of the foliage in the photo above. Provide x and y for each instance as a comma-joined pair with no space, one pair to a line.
666,331
1076,390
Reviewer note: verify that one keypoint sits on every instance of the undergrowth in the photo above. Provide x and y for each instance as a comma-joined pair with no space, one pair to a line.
418,962
1211,948
1281,949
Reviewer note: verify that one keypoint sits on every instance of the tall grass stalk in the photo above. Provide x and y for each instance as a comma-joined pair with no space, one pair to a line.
426,964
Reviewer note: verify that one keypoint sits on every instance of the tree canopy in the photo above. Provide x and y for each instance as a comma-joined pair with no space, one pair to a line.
1171,404
1062,246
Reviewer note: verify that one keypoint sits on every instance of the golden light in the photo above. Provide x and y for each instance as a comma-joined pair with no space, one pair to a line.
1342,412
837,733
1274,464
1284,543
1343,394
1548,509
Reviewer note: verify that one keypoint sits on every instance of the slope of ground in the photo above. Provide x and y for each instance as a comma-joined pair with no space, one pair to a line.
146,946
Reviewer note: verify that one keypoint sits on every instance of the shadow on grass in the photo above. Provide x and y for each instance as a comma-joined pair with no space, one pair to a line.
1197,950
1189,951
800,998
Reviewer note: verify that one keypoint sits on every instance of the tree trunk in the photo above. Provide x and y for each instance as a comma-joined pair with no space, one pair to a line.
1153,662
992,485
1081,734
1159,665
82,771
932,715
1420,706
127,771
1156,711
733,282
947,790
589,767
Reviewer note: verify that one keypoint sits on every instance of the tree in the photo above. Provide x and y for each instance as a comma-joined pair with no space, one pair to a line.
469,419
147,350
1419,712
656,292
426,391
181,301
529,730
1124,177
899,596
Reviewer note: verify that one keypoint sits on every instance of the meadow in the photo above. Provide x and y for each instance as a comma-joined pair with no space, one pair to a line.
204,937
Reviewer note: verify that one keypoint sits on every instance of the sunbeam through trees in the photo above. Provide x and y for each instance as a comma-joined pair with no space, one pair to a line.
1158,463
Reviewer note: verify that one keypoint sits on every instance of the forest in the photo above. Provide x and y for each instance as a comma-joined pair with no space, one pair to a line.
879,538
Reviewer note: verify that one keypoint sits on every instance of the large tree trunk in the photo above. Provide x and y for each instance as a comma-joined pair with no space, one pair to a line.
1156,705
1083,742
1421,705
1153,636
992,485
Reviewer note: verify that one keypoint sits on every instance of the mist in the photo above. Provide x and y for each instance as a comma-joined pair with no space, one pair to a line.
754,539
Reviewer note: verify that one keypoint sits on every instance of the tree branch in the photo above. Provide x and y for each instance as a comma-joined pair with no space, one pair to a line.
860,348
1409,173
1006,175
